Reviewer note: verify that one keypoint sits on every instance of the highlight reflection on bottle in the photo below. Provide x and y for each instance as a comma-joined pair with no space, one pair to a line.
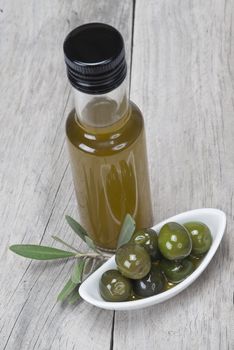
105,135
120,188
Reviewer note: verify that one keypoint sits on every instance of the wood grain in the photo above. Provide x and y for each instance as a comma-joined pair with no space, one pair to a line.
183,80
36,189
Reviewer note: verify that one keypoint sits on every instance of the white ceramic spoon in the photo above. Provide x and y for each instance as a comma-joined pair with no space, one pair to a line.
215,219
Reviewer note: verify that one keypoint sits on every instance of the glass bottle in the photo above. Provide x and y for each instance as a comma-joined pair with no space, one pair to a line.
105,136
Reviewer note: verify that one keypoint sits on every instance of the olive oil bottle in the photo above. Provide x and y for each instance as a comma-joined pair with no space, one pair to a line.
105,136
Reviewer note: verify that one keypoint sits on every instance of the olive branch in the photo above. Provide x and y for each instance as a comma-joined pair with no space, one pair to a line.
85,262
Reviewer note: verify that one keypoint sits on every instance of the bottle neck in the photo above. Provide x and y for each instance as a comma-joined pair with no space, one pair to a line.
98,112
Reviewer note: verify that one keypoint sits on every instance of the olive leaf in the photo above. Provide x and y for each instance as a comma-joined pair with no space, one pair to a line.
91,245
77,228
81,232
39,252
96,265
67,290
91,265
127,230
77,271
73,281
88,265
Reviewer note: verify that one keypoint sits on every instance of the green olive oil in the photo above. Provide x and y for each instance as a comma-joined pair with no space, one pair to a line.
110,172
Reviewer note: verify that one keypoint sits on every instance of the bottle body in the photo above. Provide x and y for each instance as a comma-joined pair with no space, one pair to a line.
110,174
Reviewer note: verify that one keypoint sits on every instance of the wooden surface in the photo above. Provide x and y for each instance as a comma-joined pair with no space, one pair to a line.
183,80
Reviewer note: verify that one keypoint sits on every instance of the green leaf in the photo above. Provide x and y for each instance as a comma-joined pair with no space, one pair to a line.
91,245
88,265
77,228
91,265
73,297
67,290
39,252
127,230
98,263
77,271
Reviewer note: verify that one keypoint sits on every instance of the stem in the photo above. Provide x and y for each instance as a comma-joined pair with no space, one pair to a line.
58,239
98,255
92,255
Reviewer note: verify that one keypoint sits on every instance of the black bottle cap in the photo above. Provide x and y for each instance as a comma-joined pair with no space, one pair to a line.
95,58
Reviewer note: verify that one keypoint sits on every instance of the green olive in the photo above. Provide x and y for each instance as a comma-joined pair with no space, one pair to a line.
195,259
114,287
176,271
133,297
151,284
168,285
201,237
148,239
174,241
133,261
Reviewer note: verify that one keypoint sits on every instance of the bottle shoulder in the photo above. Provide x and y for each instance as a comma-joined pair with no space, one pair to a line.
109,142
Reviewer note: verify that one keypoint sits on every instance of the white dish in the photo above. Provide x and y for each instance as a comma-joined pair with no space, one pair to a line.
215,219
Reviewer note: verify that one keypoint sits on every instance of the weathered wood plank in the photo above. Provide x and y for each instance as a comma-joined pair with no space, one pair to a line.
35,183
183,79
